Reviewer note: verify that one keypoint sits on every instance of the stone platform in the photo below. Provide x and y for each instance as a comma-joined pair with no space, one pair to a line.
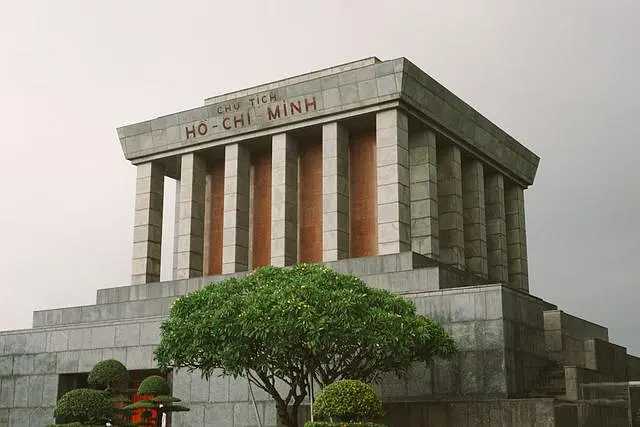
518,354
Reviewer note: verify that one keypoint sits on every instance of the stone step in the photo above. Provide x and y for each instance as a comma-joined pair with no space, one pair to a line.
411,281
405,273
102,312
365,266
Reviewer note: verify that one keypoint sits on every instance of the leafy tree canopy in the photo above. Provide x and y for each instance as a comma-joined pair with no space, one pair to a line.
279,326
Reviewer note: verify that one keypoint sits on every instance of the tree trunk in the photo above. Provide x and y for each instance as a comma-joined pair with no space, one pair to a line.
284,417
294,412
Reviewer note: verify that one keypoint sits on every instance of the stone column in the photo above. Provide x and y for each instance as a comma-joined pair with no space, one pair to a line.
496,228
335,192
424,193
516,237
176,230
190,240
392,158
284,200
475,226
235,239
450,208
147,227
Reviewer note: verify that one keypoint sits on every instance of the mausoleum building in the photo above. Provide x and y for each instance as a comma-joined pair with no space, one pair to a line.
377,170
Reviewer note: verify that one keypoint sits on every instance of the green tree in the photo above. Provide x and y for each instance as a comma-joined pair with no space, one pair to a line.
281,326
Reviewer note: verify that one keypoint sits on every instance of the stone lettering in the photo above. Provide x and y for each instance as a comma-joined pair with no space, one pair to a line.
261,108
275,114
295,107
308,104
191,133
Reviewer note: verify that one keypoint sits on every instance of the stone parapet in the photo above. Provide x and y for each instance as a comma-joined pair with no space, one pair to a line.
565,337
606,358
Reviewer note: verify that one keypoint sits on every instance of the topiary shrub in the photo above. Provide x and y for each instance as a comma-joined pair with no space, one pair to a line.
348,400
158,400
108,374
343,424
154,385
83,405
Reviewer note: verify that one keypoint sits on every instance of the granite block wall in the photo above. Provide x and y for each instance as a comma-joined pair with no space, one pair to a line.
565,336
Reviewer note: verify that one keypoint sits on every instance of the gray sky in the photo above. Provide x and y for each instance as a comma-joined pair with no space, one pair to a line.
561,77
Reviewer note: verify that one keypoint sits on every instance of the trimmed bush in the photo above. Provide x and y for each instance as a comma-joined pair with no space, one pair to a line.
330,424
108,374
154,385
348,400
83,405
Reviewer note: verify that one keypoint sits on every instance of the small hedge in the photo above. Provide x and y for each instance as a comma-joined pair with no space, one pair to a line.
348,400
154,385
83,405
330,424
76,425
108,374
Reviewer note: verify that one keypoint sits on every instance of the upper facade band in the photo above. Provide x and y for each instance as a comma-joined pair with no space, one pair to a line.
339,92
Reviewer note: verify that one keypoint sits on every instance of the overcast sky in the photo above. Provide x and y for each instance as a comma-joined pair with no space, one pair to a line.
559,76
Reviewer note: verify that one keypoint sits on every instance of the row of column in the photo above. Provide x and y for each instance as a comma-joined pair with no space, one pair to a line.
465,216
429,199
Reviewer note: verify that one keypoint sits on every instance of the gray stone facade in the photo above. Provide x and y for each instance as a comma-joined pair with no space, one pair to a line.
449,221
506,338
